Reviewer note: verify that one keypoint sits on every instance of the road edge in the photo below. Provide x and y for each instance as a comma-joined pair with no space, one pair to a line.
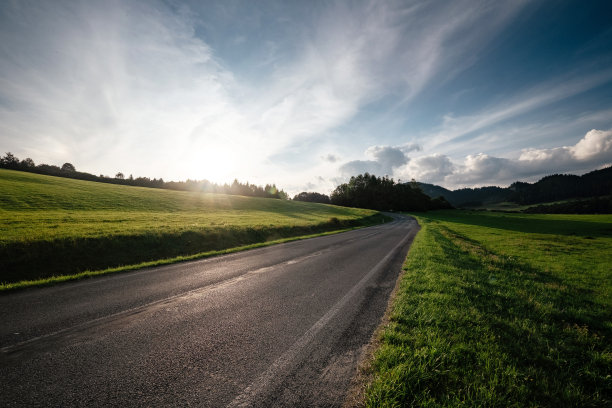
355,396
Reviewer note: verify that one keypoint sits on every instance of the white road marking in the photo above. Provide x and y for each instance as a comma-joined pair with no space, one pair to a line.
266,380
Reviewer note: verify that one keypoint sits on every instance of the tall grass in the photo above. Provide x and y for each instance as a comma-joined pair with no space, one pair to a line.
501,310
52,226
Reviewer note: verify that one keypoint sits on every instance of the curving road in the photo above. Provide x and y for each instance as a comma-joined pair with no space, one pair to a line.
276,326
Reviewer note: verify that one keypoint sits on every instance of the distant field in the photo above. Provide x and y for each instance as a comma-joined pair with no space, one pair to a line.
501,310
514,207
57,226
502,206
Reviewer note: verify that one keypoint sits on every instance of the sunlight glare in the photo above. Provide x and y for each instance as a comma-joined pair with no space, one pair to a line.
217,165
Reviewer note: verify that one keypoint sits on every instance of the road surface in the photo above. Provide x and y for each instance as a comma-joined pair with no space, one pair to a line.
276,326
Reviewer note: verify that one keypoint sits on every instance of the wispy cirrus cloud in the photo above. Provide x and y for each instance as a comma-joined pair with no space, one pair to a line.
113,82
120,84
458,131
256,91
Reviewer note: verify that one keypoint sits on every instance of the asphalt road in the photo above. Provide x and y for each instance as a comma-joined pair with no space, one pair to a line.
278,326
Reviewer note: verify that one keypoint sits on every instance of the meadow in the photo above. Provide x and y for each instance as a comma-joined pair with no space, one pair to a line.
500,310
55,228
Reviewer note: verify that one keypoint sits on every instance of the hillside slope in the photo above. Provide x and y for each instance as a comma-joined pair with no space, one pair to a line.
551,188
58,226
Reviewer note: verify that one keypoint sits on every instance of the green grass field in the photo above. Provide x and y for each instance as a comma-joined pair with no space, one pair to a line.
507,206
500,310
51,226
502,206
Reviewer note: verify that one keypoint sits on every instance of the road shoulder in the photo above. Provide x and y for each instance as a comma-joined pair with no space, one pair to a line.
364,374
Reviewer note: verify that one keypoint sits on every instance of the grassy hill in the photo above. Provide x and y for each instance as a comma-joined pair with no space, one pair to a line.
52,226
500,310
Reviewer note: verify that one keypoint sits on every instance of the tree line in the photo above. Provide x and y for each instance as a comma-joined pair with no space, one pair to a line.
362,191
68,170
384,194
593,205
555,187
562,186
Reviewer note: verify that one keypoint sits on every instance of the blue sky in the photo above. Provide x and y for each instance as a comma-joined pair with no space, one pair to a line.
306,94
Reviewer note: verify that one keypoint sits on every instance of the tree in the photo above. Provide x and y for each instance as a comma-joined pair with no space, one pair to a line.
119,176
382,193
282,195
68,167
28,163
312,197
9,161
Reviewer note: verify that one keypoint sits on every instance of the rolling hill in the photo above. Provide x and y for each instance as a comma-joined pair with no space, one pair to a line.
51,226
551,188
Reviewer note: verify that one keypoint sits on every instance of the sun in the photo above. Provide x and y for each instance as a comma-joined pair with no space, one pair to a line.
217,165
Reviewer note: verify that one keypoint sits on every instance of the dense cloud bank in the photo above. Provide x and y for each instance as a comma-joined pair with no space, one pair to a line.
591,151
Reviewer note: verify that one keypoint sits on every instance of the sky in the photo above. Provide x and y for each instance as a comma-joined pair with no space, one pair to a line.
305,94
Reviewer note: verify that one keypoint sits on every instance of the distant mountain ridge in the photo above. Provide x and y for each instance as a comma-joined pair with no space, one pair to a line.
550,188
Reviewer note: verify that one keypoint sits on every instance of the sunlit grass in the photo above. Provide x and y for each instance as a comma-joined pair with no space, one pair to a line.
19,226
52,226
501,310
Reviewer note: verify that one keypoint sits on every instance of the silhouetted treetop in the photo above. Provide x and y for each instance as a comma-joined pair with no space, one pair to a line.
384,194
28,163
9,161
312,197
68,167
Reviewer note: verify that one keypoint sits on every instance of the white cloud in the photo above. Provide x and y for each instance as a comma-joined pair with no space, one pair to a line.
331,158
481,169
131,87
385,159
389,157
410,147
592,151
596,145
109,86
112,87
356,167
433,168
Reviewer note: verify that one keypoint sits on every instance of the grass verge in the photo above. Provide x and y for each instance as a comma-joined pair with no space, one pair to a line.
23,284
500,310
60,258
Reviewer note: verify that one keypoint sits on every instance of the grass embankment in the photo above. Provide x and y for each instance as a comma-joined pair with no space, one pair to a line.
55,228
501,310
